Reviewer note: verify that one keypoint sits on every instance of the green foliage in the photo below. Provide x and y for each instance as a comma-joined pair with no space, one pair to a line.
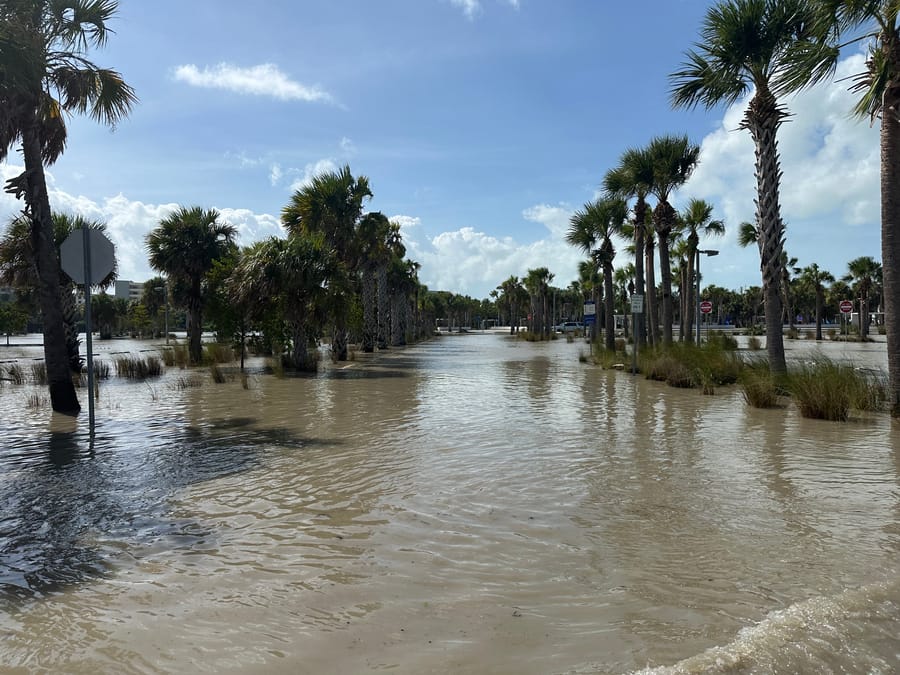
138,368
825,389
758,385
216,352
686,365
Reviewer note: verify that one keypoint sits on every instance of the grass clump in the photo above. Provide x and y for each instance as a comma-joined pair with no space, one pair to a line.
759,386
138,368
39,373
217,373
754,344
687,366
15,373
826,390
168,356
217,352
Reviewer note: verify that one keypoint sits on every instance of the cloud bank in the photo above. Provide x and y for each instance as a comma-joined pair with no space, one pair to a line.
262,80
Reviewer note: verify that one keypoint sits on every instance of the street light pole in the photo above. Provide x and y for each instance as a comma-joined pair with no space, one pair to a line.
709,252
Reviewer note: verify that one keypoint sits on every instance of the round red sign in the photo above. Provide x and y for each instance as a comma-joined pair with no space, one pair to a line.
706,306
846,306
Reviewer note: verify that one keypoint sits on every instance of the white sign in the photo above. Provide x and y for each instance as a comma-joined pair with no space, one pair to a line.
637,304
589,308
103,256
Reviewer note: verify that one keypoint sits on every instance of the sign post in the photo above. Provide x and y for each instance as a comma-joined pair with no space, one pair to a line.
637,307
846,309
88,257
705,309
590,319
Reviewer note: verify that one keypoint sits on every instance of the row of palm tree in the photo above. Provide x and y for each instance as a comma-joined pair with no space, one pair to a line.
768,49
335,258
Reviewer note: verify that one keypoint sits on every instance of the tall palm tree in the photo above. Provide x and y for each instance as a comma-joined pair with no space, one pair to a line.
17,269
674,159
865,274
632,178
184,247
769,48
332,203
697,221
537,283
373,232
592,229
288,277
44,75
511,295
748,234
590,279
815,278
879,89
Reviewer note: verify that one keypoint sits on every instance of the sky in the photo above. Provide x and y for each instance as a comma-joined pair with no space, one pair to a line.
482,125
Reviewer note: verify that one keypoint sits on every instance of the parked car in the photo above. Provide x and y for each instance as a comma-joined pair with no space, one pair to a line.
569,327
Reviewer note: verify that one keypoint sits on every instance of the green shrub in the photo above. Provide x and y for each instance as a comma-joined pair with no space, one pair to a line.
15,373
722,340
217,352
137,368
754,344
824,389
758,386
168,356
180,356
39,372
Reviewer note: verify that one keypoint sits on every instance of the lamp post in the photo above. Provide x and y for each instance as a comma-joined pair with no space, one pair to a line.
709,252
165,290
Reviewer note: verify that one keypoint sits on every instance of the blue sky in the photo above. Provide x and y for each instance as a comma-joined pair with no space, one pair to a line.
481,124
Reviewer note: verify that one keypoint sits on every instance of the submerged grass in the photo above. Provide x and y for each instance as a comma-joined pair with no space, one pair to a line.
759,386
138,368
827,390
686,365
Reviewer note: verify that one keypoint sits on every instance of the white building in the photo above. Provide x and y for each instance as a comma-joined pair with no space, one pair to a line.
129,290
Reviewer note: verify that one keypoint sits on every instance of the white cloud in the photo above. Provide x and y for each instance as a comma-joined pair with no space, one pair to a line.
469,7
472,8
554,218
311,170
262,80
128,222
347,146
275,174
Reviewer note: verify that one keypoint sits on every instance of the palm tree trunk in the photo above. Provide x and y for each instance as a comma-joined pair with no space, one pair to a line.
690,293
56,356
819,301
652,309
195,349
609,318
763,119
396,323
665,271
384,310
640,211
890,237
73,344
370,319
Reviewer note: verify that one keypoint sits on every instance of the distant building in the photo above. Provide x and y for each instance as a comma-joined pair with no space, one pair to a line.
129,290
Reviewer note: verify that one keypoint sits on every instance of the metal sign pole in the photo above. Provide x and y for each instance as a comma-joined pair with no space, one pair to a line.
87,329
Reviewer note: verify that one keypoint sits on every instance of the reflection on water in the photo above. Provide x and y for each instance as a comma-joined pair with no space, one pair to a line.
472,504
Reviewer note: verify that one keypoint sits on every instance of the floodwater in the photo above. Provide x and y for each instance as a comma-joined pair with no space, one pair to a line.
471,504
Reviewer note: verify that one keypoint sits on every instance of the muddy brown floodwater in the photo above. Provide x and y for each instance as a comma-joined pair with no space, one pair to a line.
471,504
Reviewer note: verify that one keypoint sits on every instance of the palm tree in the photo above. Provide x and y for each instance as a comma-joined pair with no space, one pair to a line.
184,247
288,277
17,269
697,222
373,233
767,47
632,179
537,283
879,89
591,281
865,274
674,159
511,295
816,279
592,229
44,75
332,203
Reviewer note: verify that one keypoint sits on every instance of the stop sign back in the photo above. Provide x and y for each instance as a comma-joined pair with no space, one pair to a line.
706,307
846,307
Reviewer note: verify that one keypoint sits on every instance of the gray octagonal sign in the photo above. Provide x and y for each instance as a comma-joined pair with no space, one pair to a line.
102,251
